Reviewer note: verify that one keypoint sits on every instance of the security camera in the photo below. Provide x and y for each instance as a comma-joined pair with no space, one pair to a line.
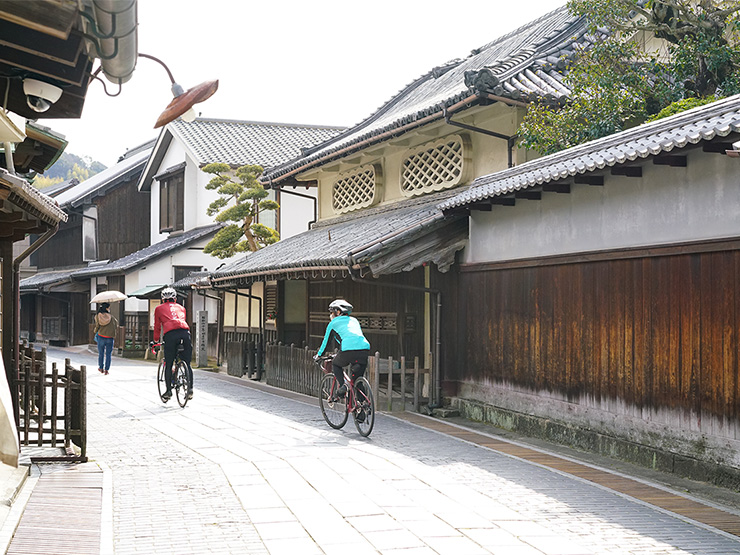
40,95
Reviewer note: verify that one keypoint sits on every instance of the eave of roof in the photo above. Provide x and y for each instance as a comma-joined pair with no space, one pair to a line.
149,253
124,170
352,241
30,199
704,123
525,64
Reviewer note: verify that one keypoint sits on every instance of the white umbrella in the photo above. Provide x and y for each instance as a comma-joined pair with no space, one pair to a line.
108,297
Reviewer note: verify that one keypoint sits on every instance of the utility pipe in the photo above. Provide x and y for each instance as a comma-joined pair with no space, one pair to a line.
437,332
381,136
510,140
302,195
402,129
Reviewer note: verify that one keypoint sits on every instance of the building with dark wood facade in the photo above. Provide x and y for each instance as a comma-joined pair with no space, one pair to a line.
107,218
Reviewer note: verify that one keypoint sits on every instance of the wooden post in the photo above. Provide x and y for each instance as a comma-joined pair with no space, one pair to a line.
41,402
83,411
54,401
376,377
416,384
67,402
27,365
390,384
403,383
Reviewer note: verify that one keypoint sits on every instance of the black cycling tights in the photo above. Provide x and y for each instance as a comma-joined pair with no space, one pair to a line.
171,341
358,360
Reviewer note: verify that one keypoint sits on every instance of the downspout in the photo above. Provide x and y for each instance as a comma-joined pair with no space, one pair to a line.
437,324
218,335
510,140
302,195
17,302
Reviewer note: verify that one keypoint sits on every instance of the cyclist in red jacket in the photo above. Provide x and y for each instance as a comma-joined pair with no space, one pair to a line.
171,319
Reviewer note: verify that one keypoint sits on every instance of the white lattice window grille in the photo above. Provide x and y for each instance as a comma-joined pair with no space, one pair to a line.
356,189
435,166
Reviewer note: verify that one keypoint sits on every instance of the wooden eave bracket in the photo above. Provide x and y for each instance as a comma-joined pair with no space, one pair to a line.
593,180
673,160
627,171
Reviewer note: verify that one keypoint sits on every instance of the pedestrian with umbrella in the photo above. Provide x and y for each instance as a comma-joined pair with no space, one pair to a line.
105,327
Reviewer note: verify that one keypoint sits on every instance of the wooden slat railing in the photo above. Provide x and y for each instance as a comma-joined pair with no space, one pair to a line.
292,368
53,405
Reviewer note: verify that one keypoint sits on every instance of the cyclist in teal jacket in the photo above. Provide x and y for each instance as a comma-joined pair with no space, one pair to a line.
353,347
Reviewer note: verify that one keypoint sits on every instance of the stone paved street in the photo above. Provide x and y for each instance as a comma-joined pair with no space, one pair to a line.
241,470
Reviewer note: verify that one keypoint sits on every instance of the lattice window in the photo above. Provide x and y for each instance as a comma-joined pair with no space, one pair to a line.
359,188
434,166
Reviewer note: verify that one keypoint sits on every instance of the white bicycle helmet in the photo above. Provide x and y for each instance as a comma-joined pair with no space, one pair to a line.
168,293
340,304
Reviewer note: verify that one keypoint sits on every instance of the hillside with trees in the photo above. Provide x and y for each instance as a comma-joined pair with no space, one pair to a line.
68,166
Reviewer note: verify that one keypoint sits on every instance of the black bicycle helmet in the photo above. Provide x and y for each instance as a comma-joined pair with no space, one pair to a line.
341,305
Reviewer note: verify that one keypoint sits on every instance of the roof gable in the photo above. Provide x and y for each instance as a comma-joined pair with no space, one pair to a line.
127,168
237,143
519,66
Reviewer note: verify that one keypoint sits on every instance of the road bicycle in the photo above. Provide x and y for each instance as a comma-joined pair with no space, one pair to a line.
358,399
182,377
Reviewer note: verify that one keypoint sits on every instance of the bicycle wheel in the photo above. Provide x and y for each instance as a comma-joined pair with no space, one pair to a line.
183,383
334,410
161,385
364,412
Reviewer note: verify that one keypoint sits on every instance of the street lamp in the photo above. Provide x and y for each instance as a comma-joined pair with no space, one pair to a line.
182,104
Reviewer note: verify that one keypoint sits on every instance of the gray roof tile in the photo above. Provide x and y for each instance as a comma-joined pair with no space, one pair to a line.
329,243
717,119
148,253
248,142
515,66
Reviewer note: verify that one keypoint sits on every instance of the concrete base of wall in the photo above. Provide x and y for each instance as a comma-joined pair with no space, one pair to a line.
602,444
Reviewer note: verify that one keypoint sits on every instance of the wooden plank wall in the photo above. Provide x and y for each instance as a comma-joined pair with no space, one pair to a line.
654,332
371,299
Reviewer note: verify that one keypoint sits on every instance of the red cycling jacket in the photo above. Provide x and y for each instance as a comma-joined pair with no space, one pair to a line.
169,316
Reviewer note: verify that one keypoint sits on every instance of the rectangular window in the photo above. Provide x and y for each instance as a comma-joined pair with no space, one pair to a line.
172,203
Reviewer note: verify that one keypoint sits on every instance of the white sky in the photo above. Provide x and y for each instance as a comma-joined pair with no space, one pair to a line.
331,62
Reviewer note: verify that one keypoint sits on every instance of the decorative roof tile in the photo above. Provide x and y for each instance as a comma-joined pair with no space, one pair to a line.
717,119
519,66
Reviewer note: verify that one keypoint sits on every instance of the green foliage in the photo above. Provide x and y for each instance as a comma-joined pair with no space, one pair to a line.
615,85
681,106
68,166
241,200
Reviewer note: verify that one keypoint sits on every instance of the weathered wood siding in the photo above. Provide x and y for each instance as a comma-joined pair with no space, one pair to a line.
123,221
407,339
659,332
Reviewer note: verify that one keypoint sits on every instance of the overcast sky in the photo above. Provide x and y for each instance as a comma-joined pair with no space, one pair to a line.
331,62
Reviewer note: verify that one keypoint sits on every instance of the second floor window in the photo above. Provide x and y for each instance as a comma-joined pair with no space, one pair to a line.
172,202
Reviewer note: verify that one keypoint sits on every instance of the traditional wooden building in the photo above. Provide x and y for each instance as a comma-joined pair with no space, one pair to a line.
107,218
599,300
176,185
380,240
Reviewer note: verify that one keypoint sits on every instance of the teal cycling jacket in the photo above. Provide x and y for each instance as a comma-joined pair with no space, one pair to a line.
349,332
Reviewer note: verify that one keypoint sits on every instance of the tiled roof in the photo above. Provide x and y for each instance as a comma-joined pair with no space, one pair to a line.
22,192
248,142
518,66
41,279
148,253
341,242
128,167
690,127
